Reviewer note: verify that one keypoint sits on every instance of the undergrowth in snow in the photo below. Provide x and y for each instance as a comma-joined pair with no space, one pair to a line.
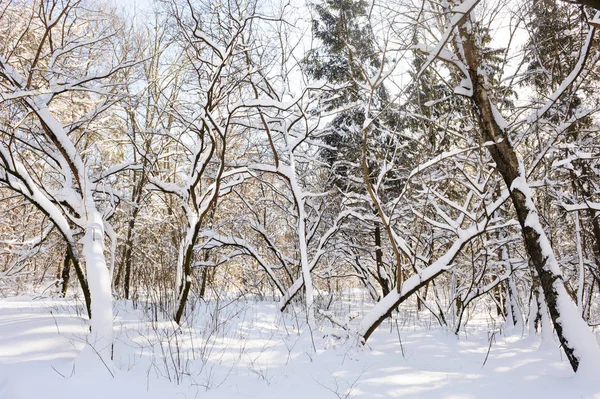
246,348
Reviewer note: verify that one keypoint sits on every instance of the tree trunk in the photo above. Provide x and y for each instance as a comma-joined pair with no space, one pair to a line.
186,284
576,339
383,282
83,281
512,301
98,277
125,266
65,274
202,292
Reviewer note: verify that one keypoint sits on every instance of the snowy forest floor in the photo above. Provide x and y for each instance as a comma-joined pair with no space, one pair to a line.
247,349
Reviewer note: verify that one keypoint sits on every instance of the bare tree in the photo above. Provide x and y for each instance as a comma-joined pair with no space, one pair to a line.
42,158
574,335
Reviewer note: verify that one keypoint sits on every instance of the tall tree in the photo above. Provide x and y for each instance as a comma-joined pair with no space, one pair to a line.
42,158
577,340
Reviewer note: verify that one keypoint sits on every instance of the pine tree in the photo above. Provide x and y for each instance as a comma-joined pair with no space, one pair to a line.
347,51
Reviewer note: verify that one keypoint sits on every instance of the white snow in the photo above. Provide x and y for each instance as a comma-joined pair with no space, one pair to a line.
498,117
249,350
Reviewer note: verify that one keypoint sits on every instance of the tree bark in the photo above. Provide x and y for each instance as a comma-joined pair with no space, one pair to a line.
383,282
65,274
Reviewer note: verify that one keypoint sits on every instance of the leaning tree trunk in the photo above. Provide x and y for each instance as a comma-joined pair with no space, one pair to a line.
578,342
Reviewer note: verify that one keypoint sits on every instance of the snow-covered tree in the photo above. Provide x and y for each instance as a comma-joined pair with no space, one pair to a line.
59,73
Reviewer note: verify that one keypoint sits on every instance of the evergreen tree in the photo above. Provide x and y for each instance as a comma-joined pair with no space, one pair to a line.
347,52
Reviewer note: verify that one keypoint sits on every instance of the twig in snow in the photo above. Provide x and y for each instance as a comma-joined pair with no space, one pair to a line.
489,348
400,340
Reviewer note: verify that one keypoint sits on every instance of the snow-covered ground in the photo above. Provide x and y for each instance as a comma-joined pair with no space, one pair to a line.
247,349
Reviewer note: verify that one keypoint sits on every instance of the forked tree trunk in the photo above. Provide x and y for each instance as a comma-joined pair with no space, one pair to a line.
185,264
